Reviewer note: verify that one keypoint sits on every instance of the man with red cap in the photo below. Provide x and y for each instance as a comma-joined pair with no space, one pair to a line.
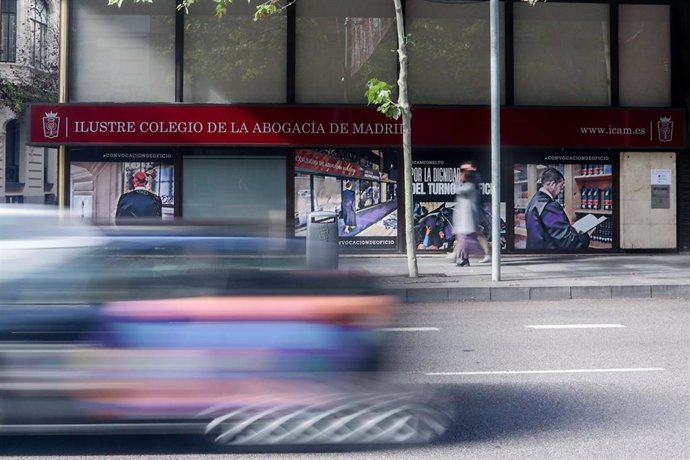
138,203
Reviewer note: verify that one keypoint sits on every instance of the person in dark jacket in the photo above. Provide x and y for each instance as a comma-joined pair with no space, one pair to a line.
138,203
348,199
548,226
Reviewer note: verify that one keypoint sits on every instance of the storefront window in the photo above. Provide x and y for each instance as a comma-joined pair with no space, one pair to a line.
122,187
222,186
359,186
122,54
340,46
562,54
449,52
236,59
435,175
645,55
582,219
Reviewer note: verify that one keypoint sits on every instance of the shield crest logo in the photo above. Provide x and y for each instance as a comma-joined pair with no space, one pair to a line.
665,127
51,125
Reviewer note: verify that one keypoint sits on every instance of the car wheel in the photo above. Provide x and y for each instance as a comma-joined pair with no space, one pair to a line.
345,419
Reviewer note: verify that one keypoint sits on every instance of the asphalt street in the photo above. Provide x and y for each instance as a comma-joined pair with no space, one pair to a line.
577,379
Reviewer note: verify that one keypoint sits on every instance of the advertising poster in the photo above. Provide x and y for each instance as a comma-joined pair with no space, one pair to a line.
434,177
357,186
582,218
122,186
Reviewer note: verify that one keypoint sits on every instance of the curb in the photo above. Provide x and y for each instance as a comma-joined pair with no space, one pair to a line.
512,294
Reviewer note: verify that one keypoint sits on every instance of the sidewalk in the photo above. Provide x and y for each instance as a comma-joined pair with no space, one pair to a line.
531,277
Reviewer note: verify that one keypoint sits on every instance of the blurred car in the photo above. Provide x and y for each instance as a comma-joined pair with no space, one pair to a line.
32,237
196,329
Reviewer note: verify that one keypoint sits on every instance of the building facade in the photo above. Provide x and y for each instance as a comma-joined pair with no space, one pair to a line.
28,61
267,121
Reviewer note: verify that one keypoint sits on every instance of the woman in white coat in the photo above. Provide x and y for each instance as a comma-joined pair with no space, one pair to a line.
465,222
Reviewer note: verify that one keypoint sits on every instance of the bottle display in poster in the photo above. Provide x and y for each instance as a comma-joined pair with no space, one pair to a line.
586,192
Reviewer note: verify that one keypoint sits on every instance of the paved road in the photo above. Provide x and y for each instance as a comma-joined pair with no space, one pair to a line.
563,380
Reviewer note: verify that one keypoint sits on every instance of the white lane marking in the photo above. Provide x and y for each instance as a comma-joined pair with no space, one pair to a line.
573,326
409,329
553,371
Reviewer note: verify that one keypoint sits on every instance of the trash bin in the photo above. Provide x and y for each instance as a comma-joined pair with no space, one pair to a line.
322,240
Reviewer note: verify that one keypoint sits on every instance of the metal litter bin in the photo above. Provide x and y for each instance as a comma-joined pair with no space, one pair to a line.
322,240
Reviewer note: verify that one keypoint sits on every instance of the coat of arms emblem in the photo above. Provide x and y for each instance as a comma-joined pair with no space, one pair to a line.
51,125
665,127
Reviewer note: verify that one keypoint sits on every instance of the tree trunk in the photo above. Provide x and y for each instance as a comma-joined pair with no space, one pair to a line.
406,113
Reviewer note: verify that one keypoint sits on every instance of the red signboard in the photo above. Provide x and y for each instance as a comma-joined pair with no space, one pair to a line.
300,126
309,160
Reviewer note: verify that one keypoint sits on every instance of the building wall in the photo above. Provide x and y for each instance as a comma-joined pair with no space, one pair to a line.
570,55
37,181
682,47
642,225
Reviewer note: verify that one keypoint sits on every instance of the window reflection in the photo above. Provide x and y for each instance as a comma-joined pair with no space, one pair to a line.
235,59
124,54
340,46
562,54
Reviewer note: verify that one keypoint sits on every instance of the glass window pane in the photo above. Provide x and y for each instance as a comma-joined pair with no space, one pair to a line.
450,53
123,54
8,37
218,187
562,54
12,39
340,46
4,38
235,59
645,55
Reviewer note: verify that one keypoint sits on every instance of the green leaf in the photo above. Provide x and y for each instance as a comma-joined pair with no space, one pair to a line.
380,93
264,10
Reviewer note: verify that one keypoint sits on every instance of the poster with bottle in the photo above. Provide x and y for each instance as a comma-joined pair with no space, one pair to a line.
583,218
122,186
